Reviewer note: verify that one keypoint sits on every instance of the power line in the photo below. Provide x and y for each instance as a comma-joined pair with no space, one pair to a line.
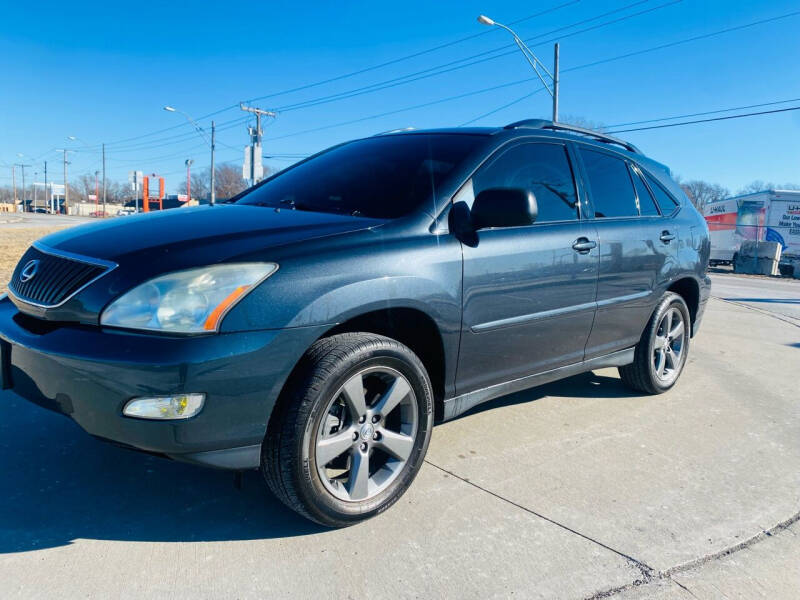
119,144
405,109
499,108
708,112
687,40
340,77
409,56
150,144
752,114
518,82
475,59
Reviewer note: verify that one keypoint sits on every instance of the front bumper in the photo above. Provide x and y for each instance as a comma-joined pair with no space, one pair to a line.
89,373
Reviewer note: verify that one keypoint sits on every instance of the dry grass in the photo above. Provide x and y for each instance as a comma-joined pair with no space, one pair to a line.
13,243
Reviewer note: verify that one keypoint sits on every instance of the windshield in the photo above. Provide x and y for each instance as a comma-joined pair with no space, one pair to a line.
382,177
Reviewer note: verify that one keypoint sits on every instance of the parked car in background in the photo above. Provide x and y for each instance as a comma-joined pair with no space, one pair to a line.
98,213
124,212
316,325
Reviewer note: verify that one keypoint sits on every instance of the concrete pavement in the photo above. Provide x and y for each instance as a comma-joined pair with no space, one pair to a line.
577,489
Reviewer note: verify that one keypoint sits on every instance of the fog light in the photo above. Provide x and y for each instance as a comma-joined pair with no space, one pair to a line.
180,406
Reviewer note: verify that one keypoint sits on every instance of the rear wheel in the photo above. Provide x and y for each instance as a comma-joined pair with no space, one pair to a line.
350,434
662,351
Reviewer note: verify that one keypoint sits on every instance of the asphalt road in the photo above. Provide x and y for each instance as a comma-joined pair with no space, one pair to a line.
577,489
28,220
778,296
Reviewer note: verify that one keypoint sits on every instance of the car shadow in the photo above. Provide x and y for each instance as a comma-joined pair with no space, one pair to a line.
60,484
584,385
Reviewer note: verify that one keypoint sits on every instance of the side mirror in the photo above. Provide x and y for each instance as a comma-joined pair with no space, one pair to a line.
504,207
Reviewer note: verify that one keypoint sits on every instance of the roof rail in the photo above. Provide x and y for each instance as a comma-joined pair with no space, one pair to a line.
400,130
544,124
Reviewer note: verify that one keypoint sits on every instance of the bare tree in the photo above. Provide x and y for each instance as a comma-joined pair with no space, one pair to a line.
702,192
6,194
85,186
228,182
761,186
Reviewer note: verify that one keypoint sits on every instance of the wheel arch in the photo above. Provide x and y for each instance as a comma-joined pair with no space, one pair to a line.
411,327
689,289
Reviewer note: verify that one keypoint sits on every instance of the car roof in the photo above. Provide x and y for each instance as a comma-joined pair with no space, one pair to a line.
544,128
560,130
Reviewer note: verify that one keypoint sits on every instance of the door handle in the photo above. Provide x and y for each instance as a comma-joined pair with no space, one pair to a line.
583,245
667,237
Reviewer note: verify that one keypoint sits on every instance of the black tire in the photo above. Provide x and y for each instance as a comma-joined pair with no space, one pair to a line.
289,449
642,374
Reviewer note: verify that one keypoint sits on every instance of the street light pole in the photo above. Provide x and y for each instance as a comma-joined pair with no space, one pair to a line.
189,162
50,197
96,190
104,180
533,61
66,185
213,170
210,142
14,183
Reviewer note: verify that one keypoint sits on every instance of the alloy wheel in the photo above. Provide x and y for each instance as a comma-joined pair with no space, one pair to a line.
668,346
366,434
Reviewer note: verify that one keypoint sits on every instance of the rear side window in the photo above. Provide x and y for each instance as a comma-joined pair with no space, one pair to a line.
665,201
541,168
647,205
610,185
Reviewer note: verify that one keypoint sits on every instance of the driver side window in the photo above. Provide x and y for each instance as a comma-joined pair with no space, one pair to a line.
542,168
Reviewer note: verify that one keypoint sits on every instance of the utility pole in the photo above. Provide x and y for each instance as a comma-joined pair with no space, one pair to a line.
104,180
97,190
50,197
213,175
255,141
22,168
14,183
189,162
35,197
555,83
66,185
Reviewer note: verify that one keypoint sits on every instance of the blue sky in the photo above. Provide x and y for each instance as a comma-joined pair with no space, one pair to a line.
103,72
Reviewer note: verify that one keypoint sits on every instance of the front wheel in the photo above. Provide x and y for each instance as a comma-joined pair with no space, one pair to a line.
661,353
351,431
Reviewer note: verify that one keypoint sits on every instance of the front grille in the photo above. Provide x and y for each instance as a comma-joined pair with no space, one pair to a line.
57,278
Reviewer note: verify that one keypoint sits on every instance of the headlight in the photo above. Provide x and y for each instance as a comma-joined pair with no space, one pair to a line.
193,301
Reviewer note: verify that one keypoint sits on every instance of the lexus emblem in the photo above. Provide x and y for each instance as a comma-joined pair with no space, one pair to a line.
28,271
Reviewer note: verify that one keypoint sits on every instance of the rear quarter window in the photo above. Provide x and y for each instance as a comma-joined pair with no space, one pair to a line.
647,204
665,202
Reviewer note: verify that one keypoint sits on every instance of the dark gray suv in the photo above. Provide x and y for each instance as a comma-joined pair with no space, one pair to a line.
318,324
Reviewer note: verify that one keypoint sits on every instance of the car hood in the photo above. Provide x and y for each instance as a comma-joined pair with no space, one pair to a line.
137,248
183,229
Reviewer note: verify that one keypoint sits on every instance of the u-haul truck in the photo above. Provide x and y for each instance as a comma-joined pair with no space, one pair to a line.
768,216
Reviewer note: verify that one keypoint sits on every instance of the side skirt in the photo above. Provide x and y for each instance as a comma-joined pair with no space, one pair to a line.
461,404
